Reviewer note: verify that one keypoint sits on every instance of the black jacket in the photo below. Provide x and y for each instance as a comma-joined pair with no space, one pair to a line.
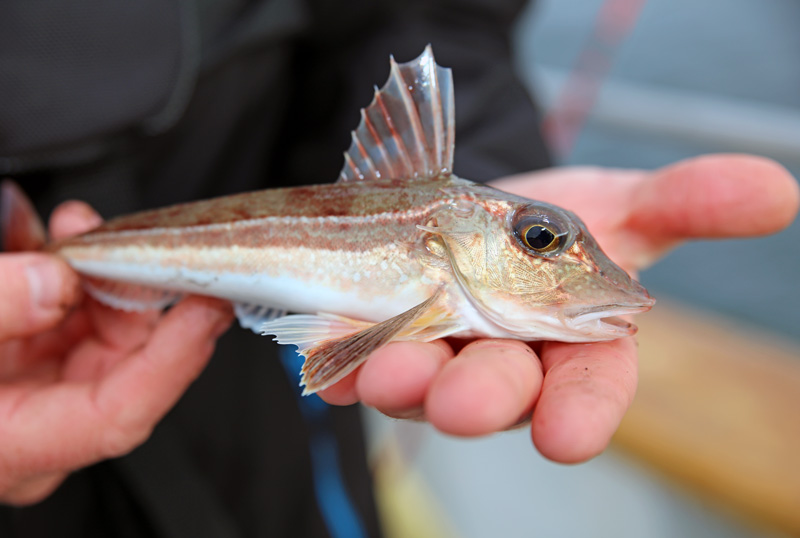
140,104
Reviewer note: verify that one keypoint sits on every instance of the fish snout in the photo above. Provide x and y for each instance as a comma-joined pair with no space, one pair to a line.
630,299
621,289
638,297
603,314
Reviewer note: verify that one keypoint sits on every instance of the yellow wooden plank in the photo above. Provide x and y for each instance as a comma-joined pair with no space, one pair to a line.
718,408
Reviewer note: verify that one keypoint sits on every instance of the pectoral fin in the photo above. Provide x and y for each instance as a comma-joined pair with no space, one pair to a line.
334,346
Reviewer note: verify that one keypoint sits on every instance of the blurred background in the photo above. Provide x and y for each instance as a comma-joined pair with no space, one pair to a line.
711,447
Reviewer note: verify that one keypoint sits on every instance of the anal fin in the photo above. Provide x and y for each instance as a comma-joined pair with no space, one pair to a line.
253,316
129,297
334,346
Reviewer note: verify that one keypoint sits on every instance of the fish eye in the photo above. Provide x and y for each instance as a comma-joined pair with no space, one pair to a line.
540,238
541,230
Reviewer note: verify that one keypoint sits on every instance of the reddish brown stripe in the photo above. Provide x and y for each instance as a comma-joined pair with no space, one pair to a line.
352,198
400,158
383,163
345,216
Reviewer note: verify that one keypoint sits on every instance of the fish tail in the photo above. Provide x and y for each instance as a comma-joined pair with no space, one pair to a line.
22,229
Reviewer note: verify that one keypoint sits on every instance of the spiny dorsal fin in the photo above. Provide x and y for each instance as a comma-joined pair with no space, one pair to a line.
408,130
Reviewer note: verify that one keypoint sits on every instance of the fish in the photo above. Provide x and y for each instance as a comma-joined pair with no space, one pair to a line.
398,248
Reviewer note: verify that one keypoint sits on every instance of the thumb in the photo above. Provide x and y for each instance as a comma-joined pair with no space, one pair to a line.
36,292
716,196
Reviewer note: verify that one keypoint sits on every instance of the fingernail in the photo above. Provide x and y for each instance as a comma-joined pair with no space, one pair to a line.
415,413
225,317
45,282
221,327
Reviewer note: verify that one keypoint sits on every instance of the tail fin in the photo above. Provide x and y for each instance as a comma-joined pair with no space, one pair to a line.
20,226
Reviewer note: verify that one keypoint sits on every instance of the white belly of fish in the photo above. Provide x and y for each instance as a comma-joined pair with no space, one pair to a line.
291,290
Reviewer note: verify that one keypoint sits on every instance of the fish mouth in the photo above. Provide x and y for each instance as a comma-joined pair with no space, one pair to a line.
608,319
617,322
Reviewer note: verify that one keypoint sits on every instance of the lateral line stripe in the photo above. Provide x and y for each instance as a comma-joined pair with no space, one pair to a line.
285,220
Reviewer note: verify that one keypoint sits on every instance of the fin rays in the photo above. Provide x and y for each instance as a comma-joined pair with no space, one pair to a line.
334,346
408,130
253,316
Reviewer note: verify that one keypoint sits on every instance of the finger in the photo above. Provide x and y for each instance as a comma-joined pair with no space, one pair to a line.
637,216
115,334
343,392
587,389
489,386
115,328
396,378
715,196
73,218
37,292
158,375
22,227
121,330
69,334
32,490
588,190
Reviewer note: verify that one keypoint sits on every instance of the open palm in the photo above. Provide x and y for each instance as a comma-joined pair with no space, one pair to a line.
576,394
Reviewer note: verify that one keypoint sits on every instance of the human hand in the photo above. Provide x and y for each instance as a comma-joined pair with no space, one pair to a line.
576,394
80,382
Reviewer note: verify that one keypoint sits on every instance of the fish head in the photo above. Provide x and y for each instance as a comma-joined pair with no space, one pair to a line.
533,270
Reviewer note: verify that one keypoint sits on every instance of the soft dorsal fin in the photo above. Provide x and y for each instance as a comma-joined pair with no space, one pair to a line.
408,130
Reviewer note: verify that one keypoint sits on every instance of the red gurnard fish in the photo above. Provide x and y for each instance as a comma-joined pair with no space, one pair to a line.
398,248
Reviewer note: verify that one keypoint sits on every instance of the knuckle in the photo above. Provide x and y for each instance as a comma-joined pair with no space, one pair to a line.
119,438
123,427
